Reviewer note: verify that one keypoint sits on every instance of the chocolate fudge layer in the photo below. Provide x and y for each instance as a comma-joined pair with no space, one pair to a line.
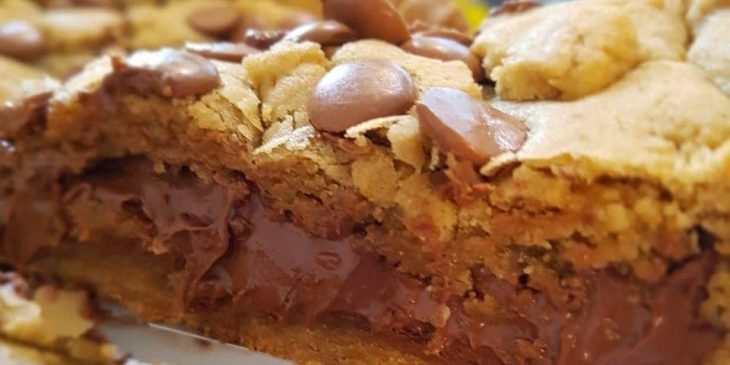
353,193
229,252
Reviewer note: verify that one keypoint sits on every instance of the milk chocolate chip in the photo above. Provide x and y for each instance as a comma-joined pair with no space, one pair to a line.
447,50
21,40
167,72
326,33
261,38
225,51
51,4
214,22
369,18
466,127
355,92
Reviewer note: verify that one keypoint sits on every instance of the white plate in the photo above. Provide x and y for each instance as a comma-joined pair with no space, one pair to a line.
162,344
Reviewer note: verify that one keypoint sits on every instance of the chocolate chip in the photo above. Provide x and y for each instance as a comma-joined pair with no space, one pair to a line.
260,38
21,40
466,127
214,22
452,34
447,50
369,18
95,3
225,51
356,92
167,72
326,33
248,21
51,4
514,7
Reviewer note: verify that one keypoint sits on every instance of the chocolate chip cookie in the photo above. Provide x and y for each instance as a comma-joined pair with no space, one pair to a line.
361,189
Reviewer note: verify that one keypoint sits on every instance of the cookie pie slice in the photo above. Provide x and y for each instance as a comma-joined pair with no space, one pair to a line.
355,201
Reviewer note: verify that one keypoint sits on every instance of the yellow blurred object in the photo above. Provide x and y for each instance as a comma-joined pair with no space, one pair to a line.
474,11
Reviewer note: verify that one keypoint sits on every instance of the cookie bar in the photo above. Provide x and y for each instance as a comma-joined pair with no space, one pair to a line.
354,193
60,41
62,36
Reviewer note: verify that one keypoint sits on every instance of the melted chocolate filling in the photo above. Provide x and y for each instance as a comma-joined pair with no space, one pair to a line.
234,249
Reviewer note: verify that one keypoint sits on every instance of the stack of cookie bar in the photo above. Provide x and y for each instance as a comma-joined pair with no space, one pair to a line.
359,182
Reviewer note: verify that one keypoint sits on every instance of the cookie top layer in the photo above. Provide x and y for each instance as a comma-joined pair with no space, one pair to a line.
645,129
641,126
571,50
425,143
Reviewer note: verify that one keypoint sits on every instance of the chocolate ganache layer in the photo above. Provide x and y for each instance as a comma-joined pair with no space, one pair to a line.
234,250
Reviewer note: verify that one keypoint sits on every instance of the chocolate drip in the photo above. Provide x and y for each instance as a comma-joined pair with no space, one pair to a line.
33,222
521,323
180,213
622,325
280,269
